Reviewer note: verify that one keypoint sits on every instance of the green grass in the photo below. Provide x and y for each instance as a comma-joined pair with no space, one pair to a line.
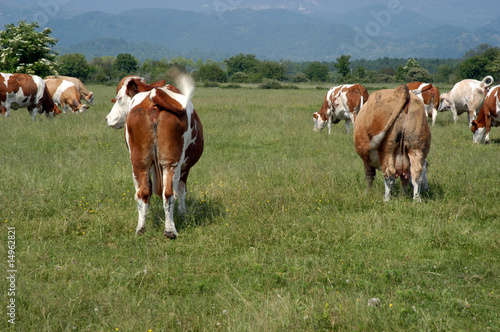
280,233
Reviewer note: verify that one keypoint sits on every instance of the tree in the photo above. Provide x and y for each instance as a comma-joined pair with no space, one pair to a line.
212,73
73,64
413,71
245,63
272,70
418,74
342,64
25,50
317,72
126,62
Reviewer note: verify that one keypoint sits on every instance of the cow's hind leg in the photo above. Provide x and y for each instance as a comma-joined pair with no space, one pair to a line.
417,172
370,175
143,192
181,194
168,203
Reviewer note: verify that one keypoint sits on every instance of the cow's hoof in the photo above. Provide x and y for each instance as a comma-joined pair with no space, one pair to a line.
140,232
170,235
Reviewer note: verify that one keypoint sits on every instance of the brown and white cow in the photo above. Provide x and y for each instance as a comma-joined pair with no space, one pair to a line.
391,133
87,95
25,91
341,103
466,96
165,139
65,95
488,116
429,95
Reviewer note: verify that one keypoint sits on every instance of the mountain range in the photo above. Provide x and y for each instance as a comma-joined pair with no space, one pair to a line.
370,33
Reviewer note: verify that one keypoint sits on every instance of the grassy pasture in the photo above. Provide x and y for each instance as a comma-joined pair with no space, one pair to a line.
280,233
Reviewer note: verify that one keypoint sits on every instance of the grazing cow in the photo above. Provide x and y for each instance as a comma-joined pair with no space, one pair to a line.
429,95
466,96
488,116
65,94
391,133
341,103
24,90
165,139
87,95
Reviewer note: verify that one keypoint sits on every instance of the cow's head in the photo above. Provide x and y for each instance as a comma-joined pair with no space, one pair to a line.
90,98
445,104
127,88
321,118
82,108
479,133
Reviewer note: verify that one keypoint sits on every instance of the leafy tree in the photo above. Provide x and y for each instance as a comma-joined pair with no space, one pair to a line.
212,73
154,70
102,68
361,71
342,64
418,74
413,71
317,71
73,64
480,65
126,62
245,63
25,50
272,70
444,72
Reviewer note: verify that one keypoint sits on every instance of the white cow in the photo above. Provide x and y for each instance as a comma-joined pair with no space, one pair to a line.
466,96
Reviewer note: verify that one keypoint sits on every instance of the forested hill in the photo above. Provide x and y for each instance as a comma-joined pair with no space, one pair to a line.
269,34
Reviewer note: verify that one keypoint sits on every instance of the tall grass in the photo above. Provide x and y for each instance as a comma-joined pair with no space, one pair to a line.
280,233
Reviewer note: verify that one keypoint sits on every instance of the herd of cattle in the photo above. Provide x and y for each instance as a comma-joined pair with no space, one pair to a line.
164,134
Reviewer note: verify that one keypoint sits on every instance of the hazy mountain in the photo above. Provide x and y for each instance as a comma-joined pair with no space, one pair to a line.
370,32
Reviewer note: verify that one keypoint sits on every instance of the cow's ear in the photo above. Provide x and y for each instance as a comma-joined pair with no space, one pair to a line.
113,100
158,84
132,88
315,115
165,102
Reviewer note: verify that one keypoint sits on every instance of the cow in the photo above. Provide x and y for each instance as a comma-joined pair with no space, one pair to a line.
25,91
65,95
342,102
466,96
87,95
164,136
429,95
391,133
488,116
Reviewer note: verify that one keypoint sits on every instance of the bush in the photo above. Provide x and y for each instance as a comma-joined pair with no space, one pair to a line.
270,84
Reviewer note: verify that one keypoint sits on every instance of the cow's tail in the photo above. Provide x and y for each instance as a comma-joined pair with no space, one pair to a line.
403,102
185,84
487,78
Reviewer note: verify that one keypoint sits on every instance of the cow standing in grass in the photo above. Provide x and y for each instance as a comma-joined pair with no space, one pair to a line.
65,94
164,136
391,133
489,116
25,91
466,96
341,103
87,95
429,95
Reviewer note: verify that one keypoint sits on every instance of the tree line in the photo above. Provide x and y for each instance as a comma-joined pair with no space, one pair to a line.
24,49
